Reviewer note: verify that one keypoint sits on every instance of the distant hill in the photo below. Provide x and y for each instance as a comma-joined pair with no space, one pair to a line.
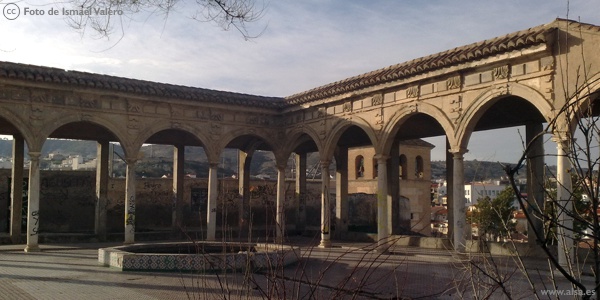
160,157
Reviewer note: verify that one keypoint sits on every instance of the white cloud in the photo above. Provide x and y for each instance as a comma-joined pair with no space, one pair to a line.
305,43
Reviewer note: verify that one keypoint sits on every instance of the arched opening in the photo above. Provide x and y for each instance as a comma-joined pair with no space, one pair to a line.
303,207
359,170
501,129
402,169
77,162
419,167
171,184
247,200
356,205
13,210
415,137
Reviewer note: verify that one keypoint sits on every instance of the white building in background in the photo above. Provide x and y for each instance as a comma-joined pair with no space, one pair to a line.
479,190
473,191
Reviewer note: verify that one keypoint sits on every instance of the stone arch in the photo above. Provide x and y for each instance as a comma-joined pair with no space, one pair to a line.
489,97
579,103
157,127
295,134
232,135
396,121
339,128
54,124
31,139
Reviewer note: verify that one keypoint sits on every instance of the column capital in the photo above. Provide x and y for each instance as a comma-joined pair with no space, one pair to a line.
213,164
458,151
325,163
34,155
131,161
561,138
381,158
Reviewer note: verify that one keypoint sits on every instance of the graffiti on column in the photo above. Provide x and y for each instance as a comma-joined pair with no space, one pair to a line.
130,216
35,218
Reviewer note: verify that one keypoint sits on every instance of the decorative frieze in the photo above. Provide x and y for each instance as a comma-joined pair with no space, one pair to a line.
133,123
453,82
215,117
14,94
257,120
412,92
456,109
215,130
347,107
37,113
377,100
501,72
321,112
89,103
379,121
134,108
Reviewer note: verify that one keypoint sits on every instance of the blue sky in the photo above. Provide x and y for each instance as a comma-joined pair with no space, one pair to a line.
303,44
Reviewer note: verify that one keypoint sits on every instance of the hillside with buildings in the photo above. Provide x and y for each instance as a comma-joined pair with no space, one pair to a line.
157,159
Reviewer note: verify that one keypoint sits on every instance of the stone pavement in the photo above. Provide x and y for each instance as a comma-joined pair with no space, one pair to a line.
348,270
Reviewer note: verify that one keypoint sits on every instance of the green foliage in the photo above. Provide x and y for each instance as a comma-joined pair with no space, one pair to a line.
493,217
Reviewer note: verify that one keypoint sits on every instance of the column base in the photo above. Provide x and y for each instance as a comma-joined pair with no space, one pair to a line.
32,248
325,244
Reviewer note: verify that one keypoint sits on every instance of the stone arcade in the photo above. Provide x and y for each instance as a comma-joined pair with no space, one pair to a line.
518,79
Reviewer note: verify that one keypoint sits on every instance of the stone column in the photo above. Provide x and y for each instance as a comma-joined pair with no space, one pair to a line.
341,191
565,203
211,209
101,189
33,203
382,203
244,160
301,192
535,178
178,178
394,189
325,208
130,201
458,197
450,190
16,195
280,209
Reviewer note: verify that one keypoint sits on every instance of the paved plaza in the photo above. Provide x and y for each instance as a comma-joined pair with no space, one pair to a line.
346,271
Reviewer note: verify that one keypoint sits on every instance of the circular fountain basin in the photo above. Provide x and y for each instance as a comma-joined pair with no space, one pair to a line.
198,256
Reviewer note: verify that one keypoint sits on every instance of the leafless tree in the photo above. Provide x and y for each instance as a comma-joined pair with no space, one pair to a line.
104,18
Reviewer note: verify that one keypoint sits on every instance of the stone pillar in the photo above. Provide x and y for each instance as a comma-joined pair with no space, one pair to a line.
325,208
565,203
211,209
301,192
33,203
101,189
244,160
16,195
382,203
178,177
341,191
450,190
394,189
535,178
130,201
458,197
280,209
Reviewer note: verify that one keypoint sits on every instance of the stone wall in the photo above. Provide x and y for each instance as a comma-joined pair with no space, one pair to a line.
67,204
